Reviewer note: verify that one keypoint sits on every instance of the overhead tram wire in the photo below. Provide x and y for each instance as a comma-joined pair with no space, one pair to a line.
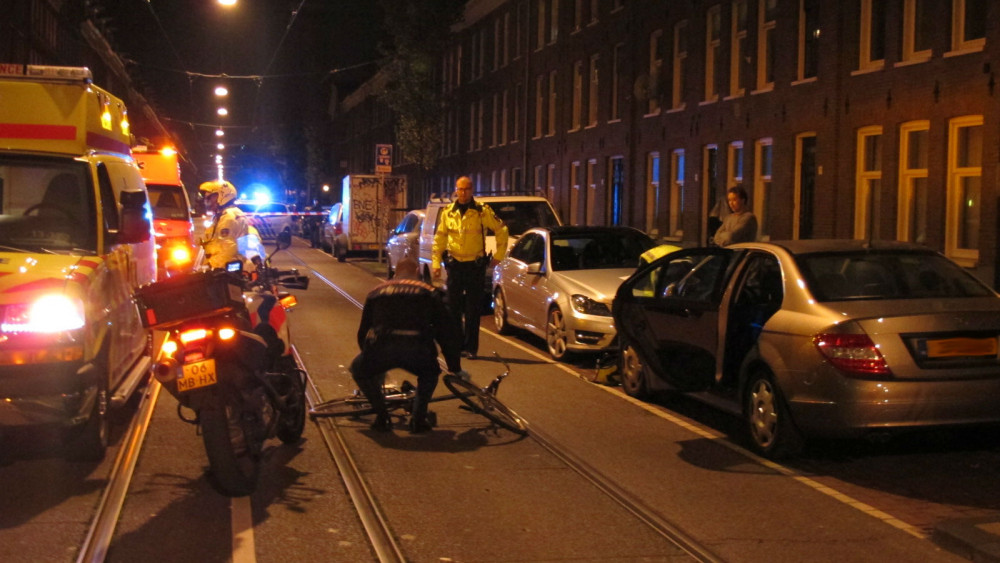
274,56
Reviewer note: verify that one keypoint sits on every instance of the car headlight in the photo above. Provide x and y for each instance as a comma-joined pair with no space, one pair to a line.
588,306
49,314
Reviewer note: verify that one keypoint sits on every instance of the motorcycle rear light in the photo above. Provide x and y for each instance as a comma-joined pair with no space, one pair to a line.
194,335
854,354
289,301
226,333
169,348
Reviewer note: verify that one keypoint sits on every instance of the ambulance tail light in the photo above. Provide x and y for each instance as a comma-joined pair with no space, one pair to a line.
48,314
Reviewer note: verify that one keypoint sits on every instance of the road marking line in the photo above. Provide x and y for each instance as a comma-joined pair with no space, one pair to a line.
242,524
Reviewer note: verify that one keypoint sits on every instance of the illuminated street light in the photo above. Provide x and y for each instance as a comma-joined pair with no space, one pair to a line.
219,133
220,146
326,187
222,111
227,2
221,91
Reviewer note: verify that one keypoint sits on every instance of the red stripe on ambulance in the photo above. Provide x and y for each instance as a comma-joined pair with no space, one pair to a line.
36,131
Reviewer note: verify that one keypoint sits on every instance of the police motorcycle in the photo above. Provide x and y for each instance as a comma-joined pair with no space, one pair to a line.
227,359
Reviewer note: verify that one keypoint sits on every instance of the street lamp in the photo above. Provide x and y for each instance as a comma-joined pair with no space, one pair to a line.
221,91
222,111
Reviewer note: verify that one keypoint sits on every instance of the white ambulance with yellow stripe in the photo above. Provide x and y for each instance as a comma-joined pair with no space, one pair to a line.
75,240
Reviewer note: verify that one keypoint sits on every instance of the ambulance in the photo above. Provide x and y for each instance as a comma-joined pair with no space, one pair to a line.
75,240
172,221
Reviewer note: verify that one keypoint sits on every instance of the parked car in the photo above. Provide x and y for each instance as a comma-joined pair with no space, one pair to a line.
404,240
559,282
811,338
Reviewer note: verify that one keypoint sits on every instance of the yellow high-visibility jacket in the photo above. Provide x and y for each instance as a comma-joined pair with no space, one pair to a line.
220,239
464,235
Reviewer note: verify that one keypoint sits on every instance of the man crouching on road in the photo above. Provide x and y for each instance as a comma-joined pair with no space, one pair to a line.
400,323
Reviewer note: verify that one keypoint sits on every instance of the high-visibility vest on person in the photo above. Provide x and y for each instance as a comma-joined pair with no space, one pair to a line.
463,235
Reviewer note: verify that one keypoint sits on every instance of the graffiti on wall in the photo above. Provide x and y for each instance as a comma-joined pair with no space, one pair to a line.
375,214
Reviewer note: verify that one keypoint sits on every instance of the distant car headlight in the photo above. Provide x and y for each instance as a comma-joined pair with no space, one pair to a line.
48,314
588,306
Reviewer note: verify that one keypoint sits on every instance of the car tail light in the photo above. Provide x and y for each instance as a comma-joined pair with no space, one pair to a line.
854,354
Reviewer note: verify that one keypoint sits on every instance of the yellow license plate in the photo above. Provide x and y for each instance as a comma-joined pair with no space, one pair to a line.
951,347
197,374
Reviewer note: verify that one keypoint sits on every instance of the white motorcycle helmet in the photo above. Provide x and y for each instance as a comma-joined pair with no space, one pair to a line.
225,190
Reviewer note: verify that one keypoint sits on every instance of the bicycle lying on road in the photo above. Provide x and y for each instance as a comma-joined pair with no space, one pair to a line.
481,400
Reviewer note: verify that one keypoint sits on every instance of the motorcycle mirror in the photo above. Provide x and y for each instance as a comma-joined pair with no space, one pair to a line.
294,282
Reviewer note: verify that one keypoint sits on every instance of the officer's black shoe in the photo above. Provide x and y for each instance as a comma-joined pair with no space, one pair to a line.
469,355
383,423
420,425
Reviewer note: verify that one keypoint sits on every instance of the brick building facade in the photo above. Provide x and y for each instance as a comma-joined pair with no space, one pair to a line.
868,118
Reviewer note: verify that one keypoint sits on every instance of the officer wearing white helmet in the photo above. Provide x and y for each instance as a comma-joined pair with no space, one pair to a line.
228,227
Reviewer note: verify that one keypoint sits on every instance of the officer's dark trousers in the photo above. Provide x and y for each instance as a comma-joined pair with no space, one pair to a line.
369,367
465,298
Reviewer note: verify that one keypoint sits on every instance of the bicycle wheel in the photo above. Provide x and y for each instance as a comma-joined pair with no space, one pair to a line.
485,404
354,405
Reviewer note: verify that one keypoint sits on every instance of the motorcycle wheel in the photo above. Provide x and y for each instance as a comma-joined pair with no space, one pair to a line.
232,457
293,418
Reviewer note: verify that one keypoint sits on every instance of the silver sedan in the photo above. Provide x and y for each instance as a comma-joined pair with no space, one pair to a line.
834,338
558,283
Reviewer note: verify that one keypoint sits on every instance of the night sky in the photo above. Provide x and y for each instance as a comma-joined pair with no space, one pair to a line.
282,65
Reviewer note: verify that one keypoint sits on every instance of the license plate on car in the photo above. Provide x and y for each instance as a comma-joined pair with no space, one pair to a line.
952,347
197,374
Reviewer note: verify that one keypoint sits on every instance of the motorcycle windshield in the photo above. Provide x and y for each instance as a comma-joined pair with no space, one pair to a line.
250,246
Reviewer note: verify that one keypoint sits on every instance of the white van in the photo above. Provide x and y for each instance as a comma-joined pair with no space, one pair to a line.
519,212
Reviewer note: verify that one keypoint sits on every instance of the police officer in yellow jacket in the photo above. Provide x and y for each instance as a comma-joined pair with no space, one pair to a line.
221,240
461,232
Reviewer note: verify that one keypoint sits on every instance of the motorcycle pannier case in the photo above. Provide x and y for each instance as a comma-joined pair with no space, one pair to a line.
180,298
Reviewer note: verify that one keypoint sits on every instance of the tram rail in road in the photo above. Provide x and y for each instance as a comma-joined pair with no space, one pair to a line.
102,528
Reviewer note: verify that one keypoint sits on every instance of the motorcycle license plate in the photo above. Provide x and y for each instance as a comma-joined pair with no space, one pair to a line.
197,374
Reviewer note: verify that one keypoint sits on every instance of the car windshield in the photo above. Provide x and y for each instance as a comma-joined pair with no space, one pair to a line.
598,250
523,215
46,205
887,275
168,202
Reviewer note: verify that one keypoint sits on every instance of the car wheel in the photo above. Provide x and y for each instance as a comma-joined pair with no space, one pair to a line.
89,441
340,253
556,338
389,272
633,373
770,428
500,313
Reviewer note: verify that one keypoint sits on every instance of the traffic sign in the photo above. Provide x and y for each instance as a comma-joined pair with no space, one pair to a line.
383,159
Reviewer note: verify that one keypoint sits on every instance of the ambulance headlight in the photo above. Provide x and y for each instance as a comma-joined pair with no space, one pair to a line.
47,314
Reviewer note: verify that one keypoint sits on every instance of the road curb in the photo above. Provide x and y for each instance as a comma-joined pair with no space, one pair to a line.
976,539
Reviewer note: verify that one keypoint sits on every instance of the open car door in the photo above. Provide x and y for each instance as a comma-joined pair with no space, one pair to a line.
669,311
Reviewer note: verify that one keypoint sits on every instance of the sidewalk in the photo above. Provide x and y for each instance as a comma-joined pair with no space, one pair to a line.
976,539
